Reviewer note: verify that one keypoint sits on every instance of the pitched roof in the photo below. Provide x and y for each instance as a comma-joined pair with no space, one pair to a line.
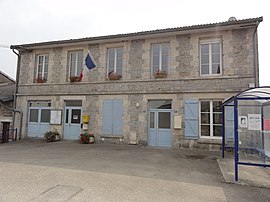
7,92
4,78
241,23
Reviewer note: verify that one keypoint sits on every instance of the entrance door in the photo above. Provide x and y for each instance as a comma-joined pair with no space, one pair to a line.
38,123
72,128
5,132
159,128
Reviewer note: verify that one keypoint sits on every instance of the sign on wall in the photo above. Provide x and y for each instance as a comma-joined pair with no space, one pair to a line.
56,117
254,122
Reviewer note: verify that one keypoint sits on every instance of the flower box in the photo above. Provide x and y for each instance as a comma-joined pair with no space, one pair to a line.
160,74
40,80
74,79
114,76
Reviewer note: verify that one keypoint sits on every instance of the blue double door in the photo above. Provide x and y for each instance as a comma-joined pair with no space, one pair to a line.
159,128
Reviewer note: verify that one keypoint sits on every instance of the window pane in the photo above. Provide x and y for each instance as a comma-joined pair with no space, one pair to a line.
74,103
165,61
160,104
67,115
205,106
217,131
152,120
40,104
215,69
33,115
155,49
205,118
205,130
216,48
45,116
205,59
204,49
165,49
217,118
76,116
164,120
217,106
204,69
155,60
216,58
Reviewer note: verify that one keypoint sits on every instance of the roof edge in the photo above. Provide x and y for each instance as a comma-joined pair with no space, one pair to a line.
142,33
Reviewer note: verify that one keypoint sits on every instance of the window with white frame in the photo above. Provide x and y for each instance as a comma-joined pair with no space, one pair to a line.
211,118
160,58
115,61
42,67
75,63
210,57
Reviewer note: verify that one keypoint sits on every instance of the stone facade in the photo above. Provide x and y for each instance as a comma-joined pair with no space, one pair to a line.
137,85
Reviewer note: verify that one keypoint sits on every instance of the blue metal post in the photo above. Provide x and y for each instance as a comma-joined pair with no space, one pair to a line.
223,132
236,152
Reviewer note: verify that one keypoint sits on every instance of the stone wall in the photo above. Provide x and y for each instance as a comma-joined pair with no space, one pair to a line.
137,85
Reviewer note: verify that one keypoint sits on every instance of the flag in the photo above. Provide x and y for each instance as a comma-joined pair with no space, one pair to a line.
81,75
89,63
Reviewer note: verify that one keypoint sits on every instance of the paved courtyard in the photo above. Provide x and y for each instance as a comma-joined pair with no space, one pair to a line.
34,170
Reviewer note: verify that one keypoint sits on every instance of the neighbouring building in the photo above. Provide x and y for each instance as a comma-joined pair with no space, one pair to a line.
159,88
7,89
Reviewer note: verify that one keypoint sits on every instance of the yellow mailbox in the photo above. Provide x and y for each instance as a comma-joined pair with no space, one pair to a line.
86,118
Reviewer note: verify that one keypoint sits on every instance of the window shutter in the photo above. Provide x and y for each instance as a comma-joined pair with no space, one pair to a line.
118,117
107,123
229,123
191,119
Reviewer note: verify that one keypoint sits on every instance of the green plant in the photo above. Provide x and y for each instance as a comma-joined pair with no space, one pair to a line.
86,138
52,136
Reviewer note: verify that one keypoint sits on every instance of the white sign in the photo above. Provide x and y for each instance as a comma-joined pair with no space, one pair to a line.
56,117
254,122
242,120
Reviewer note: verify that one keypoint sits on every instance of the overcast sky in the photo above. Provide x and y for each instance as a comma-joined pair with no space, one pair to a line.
29,21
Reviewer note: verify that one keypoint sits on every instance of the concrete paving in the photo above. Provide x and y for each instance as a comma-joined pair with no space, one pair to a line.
247,175
68,171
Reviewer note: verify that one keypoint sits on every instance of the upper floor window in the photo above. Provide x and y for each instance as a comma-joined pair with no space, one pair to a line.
42,68
75,63
210,57
114,63
160,58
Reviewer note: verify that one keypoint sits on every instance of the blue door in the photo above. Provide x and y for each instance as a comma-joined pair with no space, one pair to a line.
159,128
72,127
38,122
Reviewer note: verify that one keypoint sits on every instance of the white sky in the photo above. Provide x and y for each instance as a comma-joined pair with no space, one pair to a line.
29,21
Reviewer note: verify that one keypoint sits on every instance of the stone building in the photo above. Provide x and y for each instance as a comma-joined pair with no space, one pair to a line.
158,88
7,89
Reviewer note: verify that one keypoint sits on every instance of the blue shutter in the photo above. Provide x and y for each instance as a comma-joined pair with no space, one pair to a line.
229,123
107,124
191,119
118,117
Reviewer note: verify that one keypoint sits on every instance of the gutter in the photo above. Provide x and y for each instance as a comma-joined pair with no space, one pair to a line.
15,97
255,51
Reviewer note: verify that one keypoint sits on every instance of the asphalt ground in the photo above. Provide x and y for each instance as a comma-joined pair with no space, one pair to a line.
35,170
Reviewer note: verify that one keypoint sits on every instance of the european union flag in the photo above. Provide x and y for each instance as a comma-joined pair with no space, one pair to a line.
89,63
